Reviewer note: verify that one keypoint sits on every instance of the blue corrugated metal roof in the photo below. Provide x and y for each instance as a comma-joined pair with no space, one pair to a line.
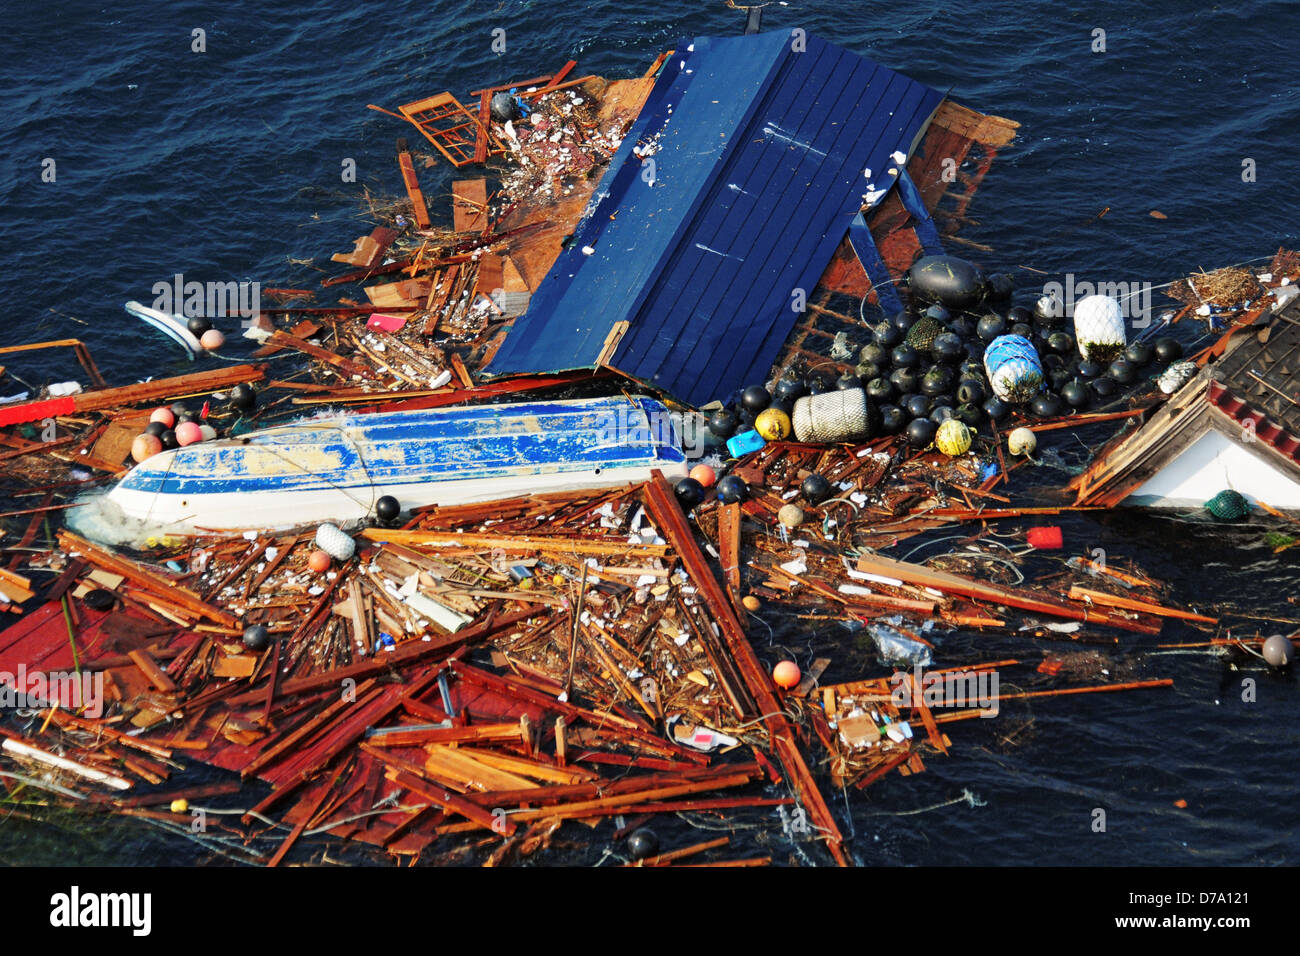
759,155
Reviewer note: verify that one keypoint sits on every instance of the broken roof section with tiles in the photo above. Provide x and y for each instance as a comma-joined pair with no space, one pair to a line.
1237,421
750,162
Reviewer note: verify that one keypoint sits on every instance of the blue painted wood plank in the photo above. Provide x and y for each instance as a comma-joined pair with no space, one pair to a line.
864,247
922,223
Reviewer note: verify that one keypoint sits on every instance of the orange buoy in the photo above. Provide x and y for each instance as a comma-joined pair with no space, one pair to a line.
319,562
145,446
163,415
786,675
704,475
187,433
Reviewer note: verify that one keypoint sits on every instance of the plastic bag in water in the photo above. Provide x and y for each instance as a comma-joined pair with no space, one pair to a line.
897,649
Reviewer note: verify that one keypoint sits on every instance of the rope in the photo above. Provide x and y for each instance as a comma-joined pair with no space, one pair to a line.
966,797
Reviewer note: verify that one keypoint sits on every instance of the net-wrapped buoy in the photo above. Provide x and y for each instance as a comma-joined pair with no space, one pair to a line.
335,543
842,415
1228,505
1176,376
923,332
1014,369
953,438
1099,328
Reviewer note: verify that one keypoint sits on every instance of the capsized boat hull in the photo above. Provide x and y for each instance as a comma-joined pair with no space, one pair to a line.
335,468
172,326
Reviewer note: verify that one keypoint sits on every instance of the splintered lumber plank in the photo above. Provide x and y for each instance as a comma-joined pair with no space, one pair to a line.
558,78
663,859
281,339
196,383
413,191
16,587
21,749
729,547
481,136
64,719
405,293
446,735
309,727
452,803
469,205
303,765
296,832
1129,604
618,728
514,543
808,682
462,373
979,590
462,769
164,589
112,447
603,805
406,653
927,717
523,767
558,793
517,385
186,793
1059,692
178,386
155,674
750,861
82,352
369,250
671,523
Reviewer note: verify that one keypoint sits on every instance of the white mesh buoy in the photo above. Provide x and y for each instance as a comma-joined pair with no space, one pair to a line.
335,543
1014,368
1099,328
1176,376
840,415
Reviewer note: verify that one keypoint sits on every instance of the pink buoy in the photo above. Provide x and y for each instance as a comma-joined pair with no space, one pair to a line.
212,339
187,433
786,675
163,415
704,475
145,446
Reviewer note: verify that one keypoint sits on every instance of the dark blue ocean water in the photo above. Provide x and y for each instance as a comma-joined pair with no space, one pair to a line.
226,165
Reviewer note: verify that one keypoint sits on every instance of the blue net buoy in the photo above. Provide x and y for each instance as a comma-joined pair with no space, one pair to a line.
1014,369
1228,505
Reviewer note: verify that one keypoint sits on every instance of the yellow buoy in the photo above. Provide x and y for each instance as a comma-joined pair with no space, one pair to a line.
180,805
773,424
953,438
751,603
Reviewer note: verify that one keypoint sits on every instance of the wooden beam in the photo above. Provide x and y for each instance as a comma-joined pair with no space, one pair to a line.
671,523
413,191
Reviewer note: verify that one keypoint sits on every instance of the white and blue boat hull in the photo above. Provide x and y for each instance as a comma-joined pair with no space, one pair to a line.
335,468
